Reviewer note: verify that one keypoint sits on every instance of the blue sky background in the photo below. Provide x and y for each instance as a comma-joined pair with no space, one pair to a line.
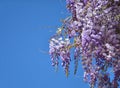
25,29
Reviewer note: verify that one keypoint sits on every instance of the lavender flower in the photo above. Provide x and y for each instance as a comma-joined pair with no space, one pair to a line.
93,31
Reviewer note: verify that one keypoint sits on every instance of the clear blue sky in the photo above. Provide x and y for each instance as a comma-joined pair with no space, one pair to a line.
25,29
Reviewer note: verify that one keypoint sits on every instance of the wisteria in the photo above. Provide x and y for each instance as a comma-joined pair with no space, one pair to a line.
93,32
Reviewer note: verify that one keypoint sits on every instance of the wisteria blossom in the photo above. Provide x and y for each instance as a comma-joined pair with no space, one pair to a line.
93,32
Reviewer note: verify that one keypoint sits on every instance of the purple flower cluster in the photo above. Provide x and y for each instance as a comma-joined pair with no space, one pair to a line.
60,47
93,31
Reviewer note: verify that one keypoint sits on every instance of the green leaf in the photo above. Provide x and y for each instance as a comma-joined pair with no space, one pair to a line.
76,66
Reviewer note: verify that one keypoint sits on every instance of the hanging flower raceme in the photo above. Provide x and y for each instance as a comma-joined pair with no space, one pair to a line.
93,31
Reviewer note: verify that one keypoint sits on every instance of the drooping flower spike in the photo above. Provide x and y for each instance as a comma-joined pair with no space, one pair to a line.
93,31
